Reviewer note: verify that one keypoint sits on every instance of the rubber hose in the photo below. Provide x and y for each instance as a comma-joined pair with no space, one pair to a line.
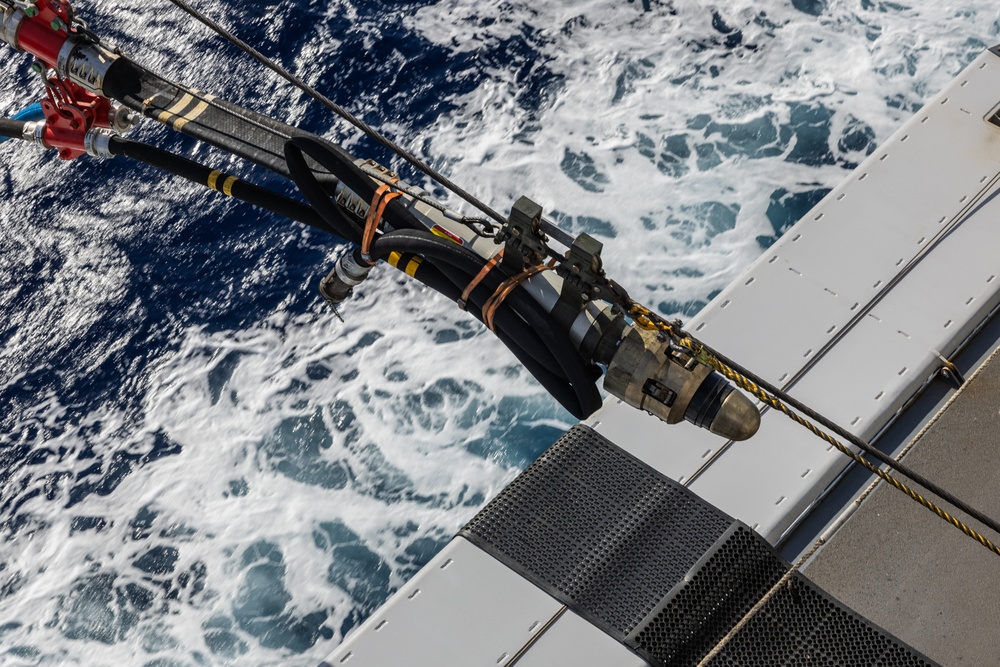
552,381
337,162
30,113
11,129
571,363
341,164
310,187
198,173
510,327
329,157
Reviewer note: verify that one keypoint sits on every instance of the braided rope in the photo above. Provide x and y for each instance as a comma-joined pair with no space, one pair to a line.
646,319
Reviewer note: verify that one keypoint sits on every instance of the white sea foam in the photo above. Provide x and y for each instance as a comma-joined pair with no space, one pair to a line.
314,461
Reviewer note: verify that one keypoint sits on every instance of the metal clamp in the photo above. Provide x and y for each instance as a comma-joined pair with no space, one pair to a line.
523,238
583,266
97,143
34,132
13,17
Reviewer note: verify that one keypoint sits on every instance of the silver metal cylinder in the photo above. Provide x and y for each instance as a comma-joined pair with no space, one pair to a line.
85,64
34,131
12,19
121,119
98,143
350,271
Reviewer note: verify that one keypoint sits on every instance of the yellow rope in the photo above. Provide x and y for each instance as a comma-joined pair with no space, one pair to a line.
644,318
774,402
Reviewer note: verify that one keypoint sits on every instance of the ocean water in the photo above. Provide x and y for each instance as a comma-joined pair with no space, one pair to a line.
201,465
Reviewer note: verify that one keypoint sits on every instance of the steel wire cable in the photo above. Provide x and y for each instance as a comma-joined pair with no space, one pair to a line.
790,407
369,131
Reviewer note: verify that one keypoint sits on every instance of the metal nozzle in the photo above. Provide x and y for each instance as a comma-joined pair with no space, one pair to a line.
122,119
651,375
349,272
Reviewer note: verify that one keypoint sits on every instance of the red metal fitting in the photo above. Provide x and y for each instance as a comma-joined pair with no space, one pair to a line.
43,30
70,113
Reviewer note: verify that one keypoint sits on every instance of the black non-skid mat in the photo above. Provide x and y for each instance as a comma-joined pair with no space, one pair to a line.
662,571
598,529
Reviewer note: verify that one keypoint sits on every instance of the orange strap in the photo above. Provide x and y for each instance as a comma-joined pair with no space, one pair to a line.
506,287
490,265
375,211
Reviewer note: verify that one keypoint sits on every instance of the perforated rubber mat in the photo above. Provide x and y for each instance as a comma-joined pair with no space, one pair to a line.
661,570
598,529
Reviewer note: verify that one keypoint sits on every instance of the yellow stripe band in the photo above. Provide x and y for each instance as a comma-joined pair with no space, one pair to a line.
197,111
165,116
213,180
394,259
227,187
412,267
183,102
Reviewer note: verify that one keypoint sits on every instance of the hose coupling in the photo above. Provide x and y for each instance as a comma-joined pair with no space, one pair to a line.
650,373
349,272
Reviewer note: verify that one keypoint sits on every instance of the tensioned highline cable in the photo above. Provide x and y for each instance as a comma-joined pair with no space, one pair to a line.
339,110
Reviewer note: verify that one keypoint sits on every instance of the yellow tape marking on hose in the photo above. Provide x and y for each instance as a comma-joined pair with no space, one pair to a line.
414,264
188,117
165,116
227,187
213,180
394,259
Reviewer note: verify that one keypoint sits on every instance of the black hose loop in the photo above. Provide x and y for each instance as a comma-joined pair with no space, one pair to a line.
310,187
576,371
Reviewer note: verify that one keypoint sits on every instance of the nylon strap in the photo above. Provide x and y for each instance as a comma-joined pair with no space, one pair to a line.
503,291
490,265
374,218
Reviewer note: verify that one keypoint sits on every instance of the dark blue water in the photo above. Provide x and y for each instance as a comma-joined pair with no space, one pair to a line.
192,269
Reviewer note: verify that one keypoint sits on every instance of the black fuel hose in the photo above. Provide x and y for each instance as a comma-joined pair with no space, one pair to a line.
339,163
586,397
216,180
12,129
510,327
521,322
546,374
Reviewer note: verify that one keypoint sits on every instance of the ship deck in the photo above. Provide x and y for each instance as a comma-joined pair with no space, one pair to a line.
910,572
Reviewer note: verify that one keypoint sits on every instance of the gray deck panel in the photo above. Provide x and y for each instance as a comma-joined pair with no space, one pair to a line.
909,571
868,376
806,290
573,641
761,481
754,320
462,608
957,283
